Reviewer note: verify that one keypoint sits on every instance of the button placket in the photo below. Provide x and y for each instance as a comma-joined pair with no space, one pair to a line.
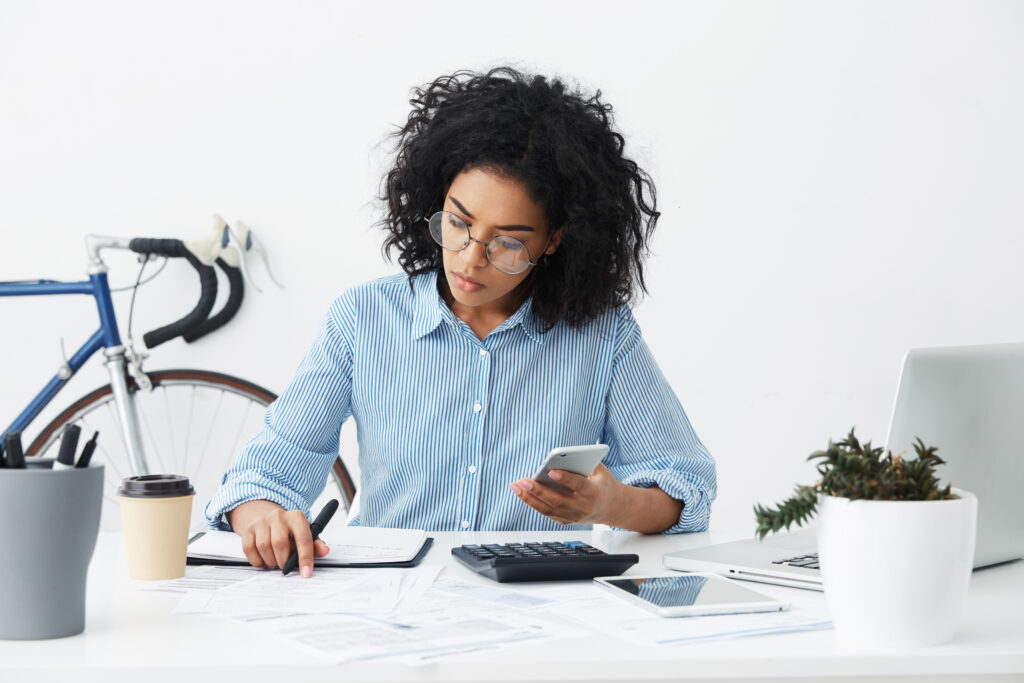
471,487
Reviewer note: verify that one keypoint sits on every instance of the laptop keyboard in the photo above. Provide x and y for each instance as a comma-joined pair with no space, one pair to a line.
809,561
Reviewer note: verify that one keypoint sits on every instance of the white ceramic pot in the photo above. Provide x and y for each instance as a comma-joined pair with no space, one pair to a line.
896,572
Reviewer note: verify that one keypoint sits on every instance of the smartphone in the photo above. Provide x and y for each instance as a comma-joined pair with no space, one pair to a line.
689,595
579,459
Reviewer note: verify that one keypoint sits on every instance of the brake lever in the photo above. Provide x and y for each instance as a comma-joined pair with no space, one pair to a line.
233,254
248,239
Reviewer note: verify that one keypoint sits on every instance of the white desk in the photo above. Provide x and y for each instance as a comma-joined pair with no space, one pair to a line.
132,636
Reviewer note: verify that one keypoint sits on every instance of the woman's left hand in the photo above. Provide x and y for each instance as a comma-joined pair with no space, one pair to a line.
593,500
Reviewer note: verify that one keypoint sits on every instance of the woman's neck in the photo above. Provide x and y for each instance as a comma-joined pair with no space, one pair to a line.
486,318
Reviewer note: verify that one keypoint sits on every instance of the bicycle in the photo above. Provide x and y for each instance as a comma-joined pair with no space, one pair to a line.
147,408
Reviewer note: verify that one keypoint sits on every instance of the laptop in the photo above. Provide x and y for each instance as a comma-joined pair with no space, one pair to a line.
966,400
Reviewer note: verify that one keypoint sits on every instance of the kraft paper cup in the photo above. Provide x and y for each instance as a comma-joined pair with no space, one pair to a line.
155,514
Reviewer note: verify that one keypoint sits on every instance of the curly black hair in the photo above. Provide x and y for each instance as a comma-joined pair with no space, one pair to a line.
561,145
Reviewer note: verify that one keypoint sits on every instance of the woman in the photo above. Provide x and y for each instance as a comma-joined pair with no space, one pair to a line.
521,228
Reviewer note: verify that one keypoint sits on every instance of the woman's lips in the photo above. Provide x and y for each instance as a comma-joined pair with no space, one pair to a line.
465,284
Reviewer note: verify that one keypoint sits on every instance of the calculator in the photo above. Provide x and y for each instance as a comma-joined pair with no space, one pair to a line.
554,561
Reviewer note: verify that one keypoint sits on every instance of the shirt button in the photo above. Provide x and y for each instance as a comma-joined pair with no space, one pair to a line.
483,352
477,407
465,524
472,469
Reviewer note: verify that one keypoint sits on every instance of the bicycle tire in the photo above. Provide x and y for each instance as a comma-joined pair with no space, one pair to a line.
103,396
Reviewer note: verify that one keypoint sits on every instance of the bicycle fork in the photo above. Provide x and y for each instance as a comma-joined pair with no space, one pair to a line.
129,416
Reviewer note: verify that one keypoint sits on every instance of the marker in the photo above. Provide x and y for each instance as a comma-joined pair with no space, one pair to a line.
68,446
316,527
12,447
90,446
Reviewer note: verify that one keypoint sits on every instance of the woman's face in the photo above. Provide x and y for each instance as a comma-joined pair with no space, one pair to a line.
492,205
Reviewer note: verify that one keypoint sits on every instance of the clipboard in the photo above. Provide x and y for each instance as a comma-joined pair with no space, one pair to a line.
227,562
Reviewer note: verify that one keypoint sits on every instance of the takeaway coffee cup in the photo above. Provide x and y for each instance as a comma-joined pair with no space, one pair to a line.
155,513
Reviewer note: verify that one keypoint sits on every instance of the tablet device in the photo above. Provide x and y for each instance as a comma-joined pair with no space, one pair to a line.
689,595
577,459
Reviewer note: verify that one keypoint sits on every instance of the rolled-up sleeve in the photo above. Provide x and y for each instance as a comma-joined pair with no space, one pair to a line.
289,460
650,439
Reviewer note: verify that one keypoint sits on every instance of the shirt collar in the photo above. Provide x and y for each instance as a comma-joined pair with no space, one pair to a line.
429,309
427,304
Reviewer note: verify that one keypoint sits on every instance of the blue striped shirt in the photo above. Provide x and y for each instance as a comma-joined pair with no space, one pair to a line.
445,421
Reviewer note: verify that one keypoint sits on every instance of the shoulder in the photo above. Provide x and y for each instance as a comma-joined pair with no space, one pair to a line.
615,330
391,289
623,328
392,296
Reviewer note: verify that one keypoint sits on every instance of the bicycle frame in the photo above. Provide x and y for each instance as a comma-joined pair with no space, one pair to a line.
106,337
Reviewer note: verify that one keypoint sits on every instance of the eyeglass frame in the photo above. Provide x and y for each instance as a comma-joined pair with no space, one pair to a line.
470,238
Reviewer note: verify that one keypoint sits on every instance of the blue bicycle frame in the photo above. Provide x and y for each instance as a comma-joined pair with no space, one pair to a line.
106,337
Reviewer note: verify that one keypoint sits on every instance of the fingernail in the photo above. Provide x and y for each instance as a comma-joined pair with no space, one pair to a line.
555,474
515,489
307,572
527,485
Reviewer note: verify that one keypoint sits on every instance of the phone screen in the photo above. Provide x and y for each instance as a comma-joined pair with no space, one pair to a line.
687,591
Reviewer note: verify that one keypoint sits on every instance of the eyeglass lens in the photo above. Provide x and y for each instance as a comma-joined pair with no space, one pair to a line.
505,253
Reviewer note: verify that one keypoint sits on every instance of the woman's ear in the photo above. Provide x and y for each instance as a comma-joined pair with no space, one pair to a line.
555,241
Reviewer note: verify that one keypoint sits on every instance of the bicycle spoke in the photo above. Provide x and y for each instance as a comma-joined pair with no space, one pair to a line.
149,431
188,429
103,454
170,426
241,429
209,434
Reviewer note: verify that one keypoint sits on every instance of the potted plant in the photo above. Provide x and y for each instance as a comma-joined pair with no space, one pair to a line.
895,549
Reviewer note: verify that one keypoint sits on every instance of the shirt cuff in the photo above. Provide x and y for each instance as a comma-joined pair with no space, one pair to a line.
244,487
681,486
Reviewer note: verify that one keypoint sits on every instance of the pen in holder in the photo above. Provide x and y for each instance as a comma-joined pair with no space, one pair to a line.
49,520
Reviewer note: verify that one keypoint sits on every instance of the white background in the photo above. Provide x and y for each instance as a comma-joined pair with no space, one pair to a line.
839,182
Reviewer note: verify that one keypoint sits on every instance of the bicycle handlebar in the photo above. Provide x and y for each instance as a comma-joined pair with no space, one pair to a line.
196,323
236,290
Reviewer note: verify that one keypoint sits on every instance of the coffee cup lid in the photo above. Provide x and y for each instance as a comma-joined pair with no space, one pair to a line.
156,486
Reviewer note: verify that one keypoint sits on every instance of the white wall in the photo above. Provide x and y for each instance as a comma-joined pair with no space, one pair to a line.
838,181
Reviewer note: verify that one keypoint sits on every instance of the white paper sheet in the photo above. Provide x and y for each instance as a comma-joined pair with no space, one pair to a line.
327,590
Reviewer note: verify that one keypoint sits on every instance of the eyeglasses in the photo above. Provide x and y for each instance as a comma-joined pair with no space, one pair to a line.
505,253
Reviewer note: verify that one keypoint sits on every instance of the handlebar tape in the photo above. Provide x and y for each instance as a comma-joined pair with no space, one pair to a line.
207,283
236,290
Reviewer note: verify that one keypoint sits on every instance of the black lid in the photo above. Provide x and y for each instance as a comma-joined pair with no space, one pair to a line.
156,486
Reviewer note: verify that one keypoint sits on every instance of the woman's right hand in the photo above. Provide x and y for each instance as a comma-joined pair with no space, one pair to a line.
268,532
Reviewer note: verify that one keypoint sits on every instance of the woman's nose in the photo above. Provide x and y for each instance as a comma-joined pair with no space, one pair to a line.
475,253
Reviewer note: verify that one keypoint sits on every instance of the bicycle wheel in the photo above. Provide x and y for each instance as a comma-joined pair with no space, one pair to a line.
193,422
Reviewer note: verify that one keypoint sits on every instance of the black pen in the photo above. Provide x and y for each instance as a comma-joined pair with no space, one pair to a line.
90,446
12,447
68,445
316,527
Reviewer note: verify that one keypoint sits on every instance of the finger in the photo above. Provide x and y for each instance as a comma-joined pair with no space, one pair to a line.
249,548
303,541
547,494
263,546
570,480
559,513
320,548
280,540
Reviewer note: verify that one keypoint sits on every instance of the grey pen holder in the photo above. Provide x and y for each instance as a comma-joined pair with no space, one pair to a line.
49,520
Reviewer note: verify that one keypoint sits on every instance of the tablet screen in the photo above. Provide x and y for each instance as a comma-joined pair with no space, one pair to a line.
685,591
